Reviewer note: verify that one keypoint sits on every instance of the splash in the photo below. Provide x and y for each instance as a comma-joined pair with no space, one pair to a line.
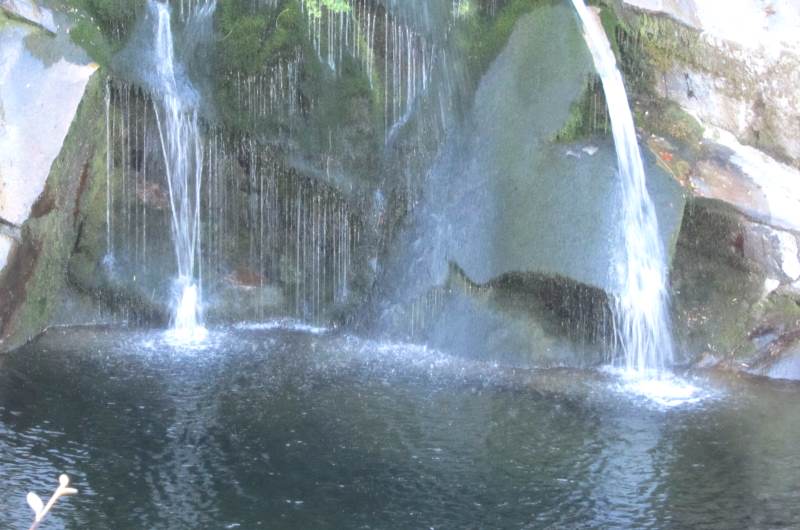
664,392
641,317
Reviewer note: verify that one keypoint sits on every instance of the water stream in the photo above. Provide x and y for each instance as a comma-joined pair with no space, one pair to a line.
176,109
642,320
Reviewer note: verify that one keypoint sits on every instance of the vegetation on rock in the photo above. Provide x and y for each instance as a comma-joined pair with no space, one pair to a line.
102,26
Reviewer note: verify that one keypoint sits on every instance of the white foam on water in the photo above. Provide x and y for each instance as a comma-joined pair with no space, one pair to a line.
659,388
287,324
186,309
186,337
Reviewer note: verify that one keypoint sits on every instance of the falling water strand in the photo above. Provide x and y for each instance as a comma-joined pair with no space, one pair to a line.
175,109
109,257
641,304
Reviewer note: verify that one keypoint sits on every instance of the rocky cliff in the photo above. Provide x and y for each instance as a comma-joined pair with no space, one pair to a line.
442,172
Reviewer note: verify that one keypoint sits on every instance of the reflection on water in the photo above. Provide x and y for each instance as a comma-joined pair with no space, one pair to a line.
272,427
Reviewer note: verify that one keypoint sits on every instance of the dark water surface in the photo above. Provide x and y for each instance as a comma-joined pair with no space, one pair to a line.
271,428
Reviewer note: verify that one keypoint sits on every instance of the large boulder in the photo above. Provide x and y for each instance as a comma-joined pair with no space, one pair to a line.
43,79
512,197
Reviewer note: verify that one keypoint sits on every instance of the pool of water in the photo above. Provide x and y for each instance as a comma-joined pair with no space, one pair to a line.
269,427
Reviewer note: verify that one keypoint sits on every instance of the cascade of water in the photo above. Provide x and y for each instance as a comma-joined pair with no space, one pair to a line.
278,240
176,116
641,305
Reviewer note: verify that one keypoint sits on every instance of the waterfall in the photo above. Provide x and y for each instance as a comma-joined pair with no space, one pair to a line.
640,310
175,104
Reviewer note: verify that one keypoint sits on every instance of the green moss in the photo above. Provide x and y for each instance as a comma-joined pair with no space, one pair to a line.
285,37
5,20
101,27
114,18
89,37
644,48
588,114
484,36
666,41
612,25
252,40
667,118
340,112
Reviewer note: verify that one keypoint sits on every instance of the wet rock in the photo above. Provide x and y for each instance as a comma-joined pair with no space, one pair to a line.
758,185
737,267
731,283
236,302
246,278
720,103
522,318
778,355
6,245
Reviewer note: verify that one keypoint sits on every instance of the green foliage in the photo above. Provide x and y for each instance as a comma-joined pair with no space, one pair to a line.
285,36
251,41
314,7
242,46
114,18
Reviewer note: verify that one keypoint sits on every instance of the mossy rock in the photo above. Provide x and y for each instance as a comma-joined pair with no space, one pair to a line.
588,115
36,273
483,36
719,298
101,27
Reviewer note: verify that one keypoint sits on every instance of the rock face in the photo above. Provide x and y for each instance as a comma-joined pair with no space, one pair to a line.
734,65
43,78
